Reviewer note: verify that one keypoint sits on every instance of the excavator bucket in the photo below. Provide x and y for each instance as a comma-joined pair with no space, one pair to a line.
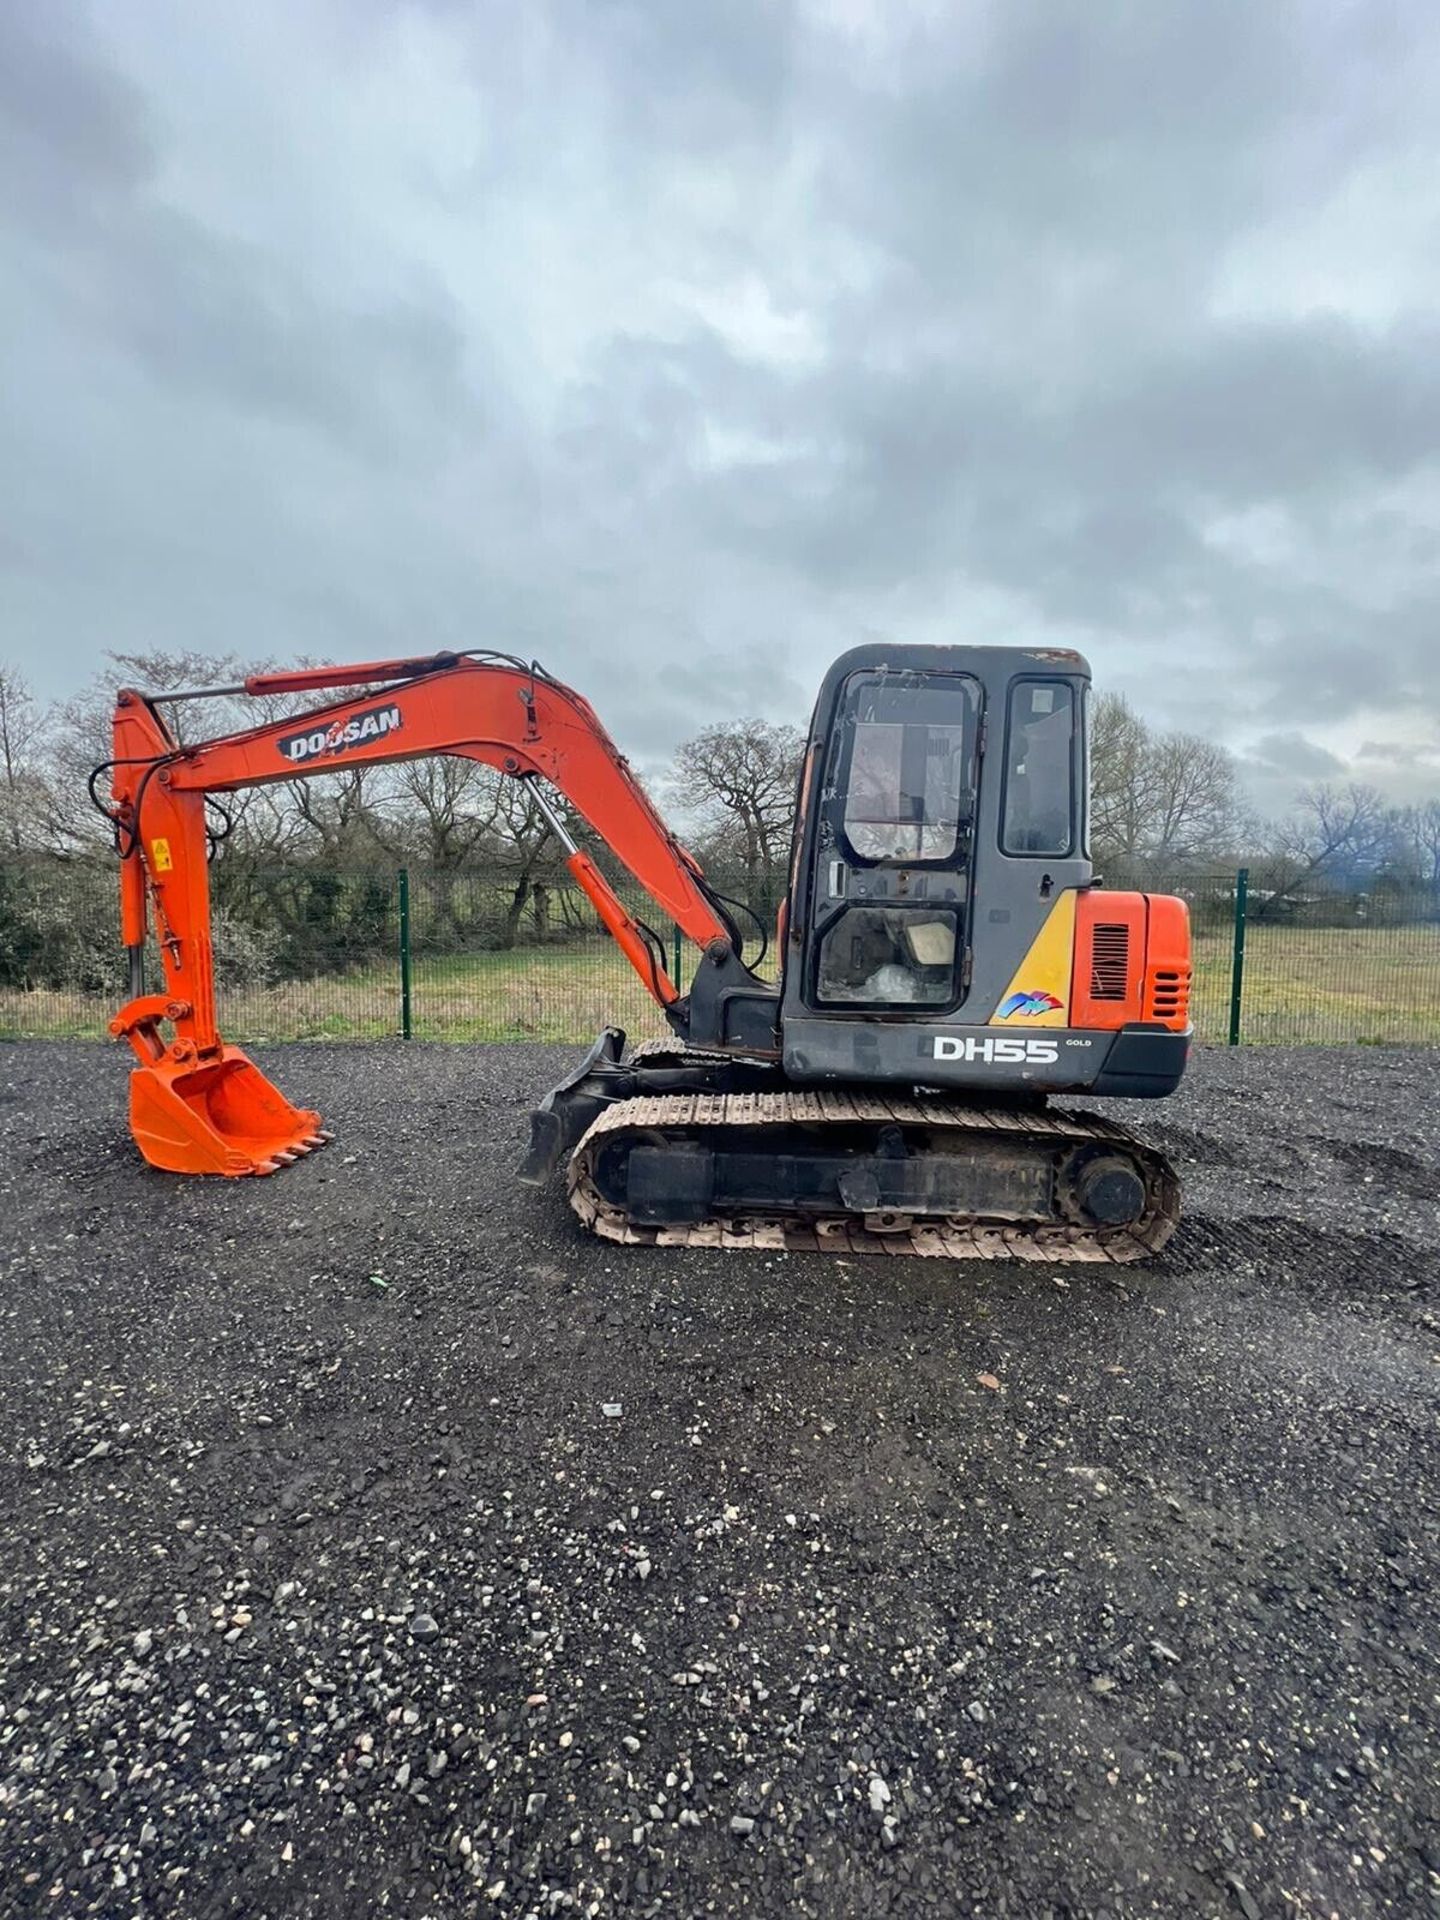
216,1115
222,1117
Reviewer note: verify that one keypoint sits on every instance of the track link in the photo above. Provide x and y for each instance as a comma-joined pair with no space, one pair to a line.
749,1115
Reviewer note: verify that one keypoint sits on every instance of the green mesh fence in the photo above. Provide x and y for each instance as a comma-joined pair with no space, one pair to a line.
1320,967
307,952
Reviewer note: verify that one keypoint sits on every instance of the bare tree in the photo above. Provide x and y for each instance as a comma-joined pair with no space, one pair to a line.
522,844
1169,796
1333,832
1192,798
1120,797
336,807
82,730
1341,826
80,742
441,810
1421,828
331,815
24,798
738,778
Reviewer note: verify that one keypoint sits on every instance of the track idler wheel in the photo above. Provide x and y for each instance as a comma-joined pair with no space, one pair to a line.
1103,1189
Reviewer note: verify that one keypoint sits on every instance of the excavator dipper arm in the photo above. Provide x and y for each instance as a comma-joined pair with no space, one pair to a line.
198,1105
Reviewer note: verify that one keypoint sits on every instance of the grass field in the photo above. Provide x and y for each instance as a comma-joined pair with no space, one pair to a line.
1325,984
1302,985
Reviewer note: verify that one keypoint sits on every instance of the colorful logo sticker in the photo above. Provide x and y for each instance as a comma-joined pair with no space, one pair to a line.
1026,1003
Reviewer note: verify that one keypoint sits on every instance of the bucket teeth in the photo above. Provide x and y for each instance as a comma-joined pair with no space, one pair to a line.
287,1156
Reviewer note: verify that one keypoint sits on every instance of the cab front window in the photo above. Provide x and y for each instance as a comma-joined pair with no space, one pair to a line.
909,778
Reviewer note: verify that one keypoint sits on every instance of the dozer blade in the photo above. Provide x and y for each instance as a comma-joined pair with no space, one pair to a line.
560,1120
220,1117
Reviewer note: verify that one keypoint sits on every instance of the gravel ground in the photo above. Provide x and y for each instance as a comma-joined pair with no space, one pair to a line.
377,1543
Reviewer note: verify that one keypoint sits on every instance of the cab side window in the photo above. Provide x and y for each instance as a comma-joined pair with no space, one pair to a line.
1040,769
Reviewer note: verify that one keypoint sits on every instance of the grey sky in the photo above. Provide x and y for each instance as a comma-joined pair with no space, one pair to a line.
684,346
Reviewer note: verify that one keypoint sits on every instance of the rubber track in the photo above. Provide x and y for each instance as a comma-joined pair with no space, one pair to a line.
952,1239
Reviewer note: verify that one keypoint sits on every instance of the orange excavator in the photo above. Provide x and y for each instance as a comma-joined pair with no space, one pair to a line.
948,963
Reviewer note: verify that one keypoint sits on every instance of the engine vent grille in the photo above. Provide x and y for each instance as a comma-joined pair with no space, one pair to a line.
1110,961
1170,995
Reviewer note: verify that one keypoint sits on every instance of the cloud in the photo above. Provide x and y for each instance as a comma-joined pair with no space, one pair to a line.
686,346
1294,757
73,131
1401,753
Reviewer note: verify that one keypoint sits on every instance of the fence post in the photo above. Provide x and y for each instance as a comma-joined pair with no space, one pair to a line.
675,969
404,953
1237,963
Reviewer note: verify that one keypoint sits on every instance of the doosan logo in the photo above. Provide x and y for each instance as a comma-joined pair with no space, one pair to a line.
322,743
1001,1051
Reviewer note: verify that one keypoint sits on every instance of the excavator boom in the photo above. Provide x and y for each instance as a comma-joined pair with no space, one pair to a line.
198,1105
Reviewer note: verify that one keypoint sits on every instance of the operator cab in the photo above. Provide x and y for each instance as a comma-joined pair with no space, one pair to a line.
941,819
932,774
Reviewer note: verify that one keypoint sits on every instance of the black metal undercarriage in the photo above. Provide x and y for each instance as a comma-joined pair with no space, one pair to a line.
662,1158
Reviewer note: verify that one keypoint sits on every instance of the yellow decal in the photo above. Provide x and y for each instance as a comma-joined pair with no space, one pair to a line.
160,856
1039,992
